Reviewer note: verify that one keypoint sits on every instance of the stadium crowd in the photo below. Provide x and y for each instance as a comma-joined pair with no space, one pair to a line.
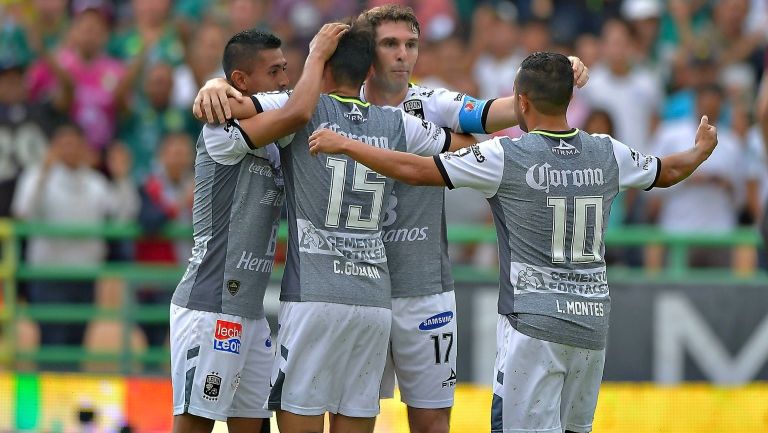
96,122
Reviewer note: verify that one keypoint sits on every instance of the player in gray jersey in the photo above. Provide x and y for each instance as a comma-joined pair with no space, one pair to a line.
221,352
336,290
423,339
550,192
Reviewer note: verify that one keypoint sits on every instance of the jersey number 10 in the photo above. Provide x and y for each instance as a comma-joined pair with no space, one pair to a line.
579,237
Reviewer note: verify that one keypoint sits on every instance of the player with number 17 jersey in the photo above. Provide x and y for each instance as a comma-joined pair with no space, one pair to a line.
423,300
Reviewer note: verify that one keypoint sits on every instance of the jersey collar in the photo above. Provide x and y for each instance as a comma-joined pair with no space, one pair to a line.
556,134
349,100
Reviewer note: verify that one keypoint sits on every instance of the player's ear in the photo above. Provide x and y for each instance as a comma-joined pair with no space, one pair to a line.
370,73
239,80
525,103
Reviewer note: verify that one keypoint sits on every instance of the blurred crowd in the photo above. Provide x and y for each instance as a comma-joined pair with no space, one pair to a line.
96,124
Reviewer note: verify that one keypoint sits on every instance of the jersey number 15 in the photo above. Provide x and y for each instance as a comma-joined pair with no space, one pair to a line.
360,183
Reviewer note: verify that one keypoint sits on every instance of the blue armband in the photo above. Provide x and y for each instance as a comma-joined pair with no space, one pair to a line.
472,115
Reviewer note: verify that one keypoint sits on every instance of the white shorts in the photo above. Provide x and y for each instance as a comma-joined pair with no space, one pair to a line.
330,358
422,351
220,364
540,386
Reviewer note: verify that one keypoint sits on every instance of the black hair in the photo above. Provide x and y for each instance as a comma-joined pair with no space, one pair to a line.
547,80
242,47
354,54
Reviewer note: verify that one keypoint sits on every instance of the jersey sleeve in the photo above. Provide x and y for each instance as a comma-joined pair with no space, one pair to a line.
460,112
266,101
480,167
423,137
636,170
226,144
272,101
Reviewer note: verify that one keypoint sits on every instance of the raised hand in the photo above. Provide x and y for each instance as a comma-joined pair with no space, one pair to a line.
706,136
580,71
212,99
324,43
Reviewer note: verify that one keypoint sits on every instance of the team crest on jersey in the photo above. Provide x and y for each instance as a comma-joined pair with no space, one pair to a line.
212,386
473,150
529,279
641,161
567,150
414,107
355,115
233,286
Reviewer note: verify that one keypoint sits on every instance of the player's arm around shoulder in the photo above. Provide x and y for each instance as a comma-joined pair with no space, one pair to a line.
405,167
678,166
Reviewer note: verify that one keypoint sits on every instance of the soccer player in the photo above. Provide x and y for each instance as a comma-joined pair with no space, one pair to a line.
335,316
550,192
423,336
221,353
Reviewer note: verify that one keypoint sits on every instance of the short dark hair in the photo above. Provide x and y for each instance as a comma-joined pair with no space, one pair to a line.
242,47
547,80
354,54
391,12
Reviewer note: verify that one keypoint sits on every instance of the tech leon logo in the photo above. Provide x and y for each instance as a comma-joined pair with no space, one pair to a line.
227,336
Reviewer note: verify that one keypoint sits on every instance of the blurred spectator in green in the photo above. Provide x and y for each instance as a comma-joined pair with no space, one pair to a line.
63,188
15,42
151,26
49,24
148,115
87,68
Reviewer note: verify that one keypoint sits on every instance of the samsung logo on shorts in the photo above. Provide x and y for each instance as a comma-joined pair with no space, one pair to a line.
437,321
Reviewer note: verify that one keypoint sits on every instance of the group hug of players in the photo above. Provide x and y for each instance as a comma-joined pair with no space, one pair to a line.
360,158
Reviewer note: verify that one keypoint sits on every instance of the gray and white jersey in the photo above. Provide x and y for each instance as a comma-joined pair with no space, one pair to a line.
336,205
414,225
551,195
237,201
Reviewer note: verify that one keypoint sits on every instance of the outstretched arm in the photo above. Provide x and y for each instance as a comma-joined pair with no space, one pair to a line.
678,166
405,167
267,127
502,113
